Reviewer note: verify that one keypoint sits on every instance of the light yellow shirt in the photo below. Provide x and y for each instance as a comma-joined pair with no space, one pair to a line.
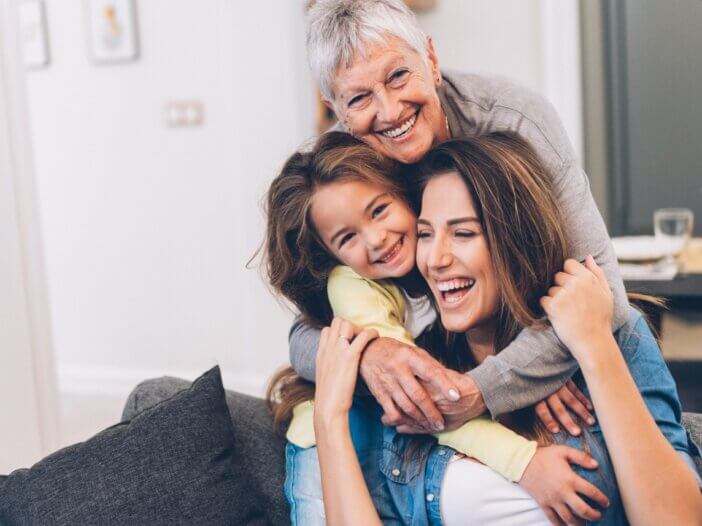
380,305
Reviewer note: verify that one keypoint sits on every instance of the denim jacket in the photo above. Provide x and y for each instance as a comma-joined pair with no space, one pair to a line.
404,473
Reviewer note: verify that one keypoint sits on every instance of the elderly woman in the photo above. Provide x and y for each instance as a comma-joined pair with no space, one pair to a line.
380,75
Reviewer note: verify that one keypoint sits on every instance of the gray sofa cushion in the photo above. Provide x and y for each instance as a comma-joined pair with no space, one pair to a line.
259,453
693,423
173,464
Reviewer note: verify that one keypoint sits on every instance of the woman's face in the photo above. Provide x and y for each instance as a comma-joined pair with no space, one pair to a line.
366,228
387,98
453,256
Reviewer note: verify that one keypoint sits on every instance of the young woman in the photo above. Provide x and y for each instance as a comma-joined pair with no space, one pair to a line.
489,244
339,228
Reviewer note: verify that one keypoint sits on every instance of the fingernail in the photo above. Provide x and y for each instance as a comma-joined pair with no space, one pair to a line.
554,429
453,395
591,421
438,426
594,463
575,431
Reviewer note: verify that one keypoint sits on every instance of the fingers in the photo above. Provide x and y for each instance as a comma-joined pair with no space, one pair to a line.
412,430
554,290
575,456
544,414
555,404
392,415
432,372
573,403
422,406
565,514
574,268
545,302
579,394
593,267
583,510
362,339
561,278
553,517
591,491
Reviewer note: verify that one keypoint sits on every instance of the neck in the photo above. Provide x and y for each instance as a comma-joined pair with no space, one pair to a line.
481,341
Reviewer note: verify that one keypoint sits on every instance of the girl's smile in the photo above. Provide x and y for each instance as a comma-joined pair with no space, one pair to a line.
366,228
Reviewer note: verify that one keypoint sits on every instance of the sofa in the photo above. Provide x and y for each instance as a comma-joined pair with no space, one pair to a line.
255,439
184,453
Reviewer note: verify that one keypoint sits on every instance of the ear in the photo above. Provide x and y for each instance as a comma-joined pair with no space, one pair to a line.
433,59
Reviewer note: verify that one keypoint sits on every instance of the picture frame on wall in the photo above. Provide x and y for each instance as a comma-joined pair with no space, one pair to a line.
34,34
111,31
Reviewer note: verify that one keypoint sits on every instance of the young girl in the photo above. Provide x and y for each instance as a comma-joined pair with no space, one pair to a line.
489,240
339,229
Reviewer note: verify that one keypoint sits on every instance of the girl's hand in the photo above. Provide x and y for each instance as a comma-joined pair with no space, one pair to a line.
339,354
554,409
552,483
579,306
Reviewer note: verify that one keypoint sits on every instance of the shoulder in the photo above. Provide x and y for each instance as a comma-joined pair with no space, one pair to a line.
495,103
636,334
344,281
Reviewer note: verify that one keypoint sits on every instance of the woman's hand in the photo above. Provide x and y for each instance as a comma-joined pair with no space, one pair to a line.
552,483
554,409
579,307
340,348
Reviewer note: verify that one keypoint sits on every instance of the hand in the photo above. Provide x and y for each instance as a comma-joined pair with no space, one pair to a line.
340,348
393,370
567,397
551,481
580,307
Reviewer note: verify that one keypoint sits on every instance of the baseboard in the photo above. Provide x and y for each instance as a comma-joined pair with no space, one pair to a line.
93,380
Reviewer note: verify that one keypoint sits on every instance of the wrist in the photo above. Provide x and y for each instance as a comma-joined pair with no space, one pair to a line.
330,421
594,354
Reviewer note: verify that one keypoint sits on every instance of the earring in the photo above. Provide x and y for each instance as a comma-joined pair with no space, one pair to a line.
438,79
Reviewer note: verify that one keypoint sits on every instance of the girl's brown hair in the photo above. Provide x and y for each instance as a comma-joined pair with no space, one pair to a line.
523,228
297,262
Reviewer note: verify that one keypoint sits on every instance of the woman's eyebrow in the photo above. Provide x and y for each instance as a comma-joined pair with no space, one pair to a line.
459,220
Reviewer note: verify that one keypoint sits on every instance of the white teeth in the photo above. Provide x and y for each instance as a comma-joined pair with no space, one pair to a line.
453,284
387,257
401,130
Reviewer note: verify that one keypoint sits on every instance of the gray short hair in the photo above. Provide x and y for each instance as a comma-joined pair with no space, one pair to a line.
336,29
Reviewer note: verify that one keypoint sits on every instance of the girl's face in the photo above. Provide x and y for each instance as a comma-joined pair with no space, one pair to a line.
366,227
453,256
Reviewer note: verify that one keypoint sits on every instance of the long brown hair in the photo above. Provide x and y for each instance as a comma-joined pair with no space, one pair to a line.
297,262
523,228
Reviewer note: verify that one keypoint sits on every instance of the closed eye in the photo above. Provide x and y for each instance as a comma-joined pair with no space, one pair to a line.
466,234
423,234
399,75
357,100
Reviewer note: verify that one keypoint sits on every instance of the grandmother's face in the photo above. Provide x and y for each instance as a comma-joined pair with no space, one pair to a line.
387,98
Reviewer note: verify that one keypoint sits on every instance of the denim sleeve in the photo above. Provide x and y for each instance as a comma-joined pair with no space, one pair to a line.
303,341
655,383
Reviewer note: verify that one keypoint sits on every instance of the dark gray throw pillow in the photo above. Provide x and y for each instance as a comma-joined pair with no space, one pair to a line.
171,464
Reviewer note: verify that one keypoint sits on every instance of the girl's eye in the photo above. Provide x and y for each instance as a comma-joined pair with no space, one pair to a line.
379,210
348,237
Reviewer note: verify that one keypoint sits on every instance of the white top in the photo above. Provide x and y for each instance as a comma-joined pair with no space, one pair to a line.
472,493
419,314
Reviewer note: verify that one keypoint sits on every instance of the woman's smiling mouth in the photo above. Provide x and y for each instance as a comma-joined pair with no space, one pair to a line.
402,130
452,291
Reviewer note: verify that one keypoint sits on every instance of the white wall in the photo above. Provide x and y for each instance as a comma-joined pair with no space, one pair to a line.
148,228
535,42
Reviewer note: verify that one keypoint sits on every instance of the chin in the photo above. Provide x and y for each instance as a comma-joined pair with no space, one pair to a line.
455,322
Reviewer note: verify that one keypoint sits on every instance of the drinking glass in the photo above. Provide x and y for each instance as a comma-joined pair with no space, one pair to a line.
673,228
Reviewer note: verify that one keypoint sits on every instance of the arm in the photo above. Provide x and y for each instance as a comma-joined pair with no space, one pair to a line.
303,341
346,496
657,487
536,364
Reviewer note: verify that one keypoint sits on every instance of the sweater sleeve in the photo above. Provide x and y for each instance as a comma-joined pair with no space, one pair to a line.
536,363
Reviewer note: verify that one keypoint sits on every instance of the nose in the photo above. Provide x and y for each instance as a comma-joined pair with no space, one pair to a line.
389,108
440,255
375,237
